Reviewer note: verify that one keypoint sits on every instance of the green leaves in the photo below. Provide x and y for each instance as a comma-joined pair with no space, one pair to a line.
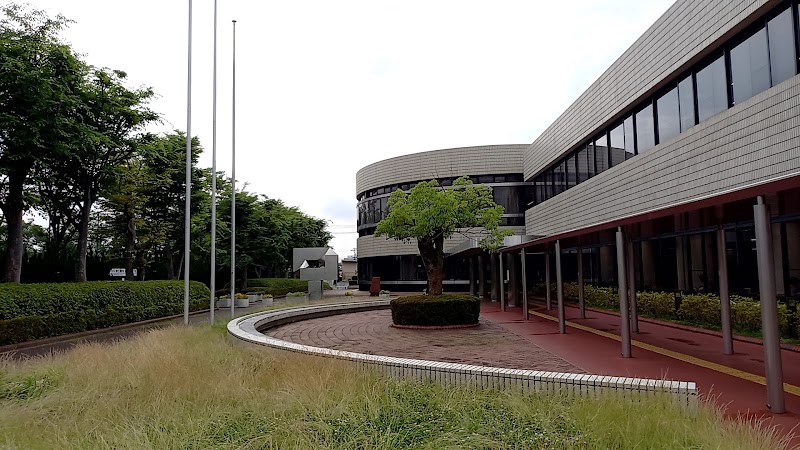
430,210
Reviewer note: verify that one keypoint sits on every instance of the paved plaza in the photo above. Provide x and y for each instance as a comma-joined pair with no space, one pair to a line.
371,332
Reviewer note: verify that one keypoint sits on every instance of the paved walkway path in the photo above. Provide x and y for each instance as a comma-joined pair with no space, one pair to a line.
665,352
371,332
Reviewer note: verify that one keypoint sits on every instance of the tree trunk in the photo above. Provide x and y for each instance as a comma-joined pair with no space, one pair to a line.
13,210
83,238
432,252
130,246
244,278
142,260
170,262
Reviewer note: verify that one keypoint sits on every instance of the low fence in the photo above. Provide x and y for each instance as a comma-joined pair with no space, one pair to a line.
248,329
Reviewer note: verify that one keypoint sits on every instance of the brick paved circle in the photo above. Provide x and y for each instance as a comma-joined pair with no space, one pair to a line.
371,332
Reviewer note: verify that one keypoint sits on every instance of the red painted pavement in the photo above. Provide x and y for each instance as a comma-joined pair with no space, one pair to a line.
601,355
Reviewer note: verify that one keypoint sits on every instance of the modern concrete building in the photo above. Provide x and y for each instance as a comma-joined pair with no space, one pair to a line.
677,170
398,263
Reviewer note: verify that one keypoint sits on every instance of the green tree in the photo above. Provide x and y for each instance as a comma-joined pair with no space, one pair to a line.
40,78
108,119
430,214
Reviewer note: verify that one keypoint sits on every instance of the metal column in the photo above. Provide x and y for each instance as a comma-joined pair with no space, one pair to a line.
513,280
581,300
773,367
502,284
724,295
524,287
493,273
632,288
471,263
562,328
481,277
625,324
547,279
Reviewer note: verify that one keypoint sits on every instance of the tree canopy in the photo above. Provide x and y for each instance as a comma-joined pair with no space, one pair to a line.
430,214
75,150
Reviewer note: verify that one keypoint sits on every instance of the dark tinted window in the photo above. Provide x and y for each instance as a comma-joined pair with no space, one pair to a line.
750,67
630,148
572,177
591,160
645,130
558,179
548,181
485,179
582,165
601,154
781,47
686,96
669,123
712,92
617,143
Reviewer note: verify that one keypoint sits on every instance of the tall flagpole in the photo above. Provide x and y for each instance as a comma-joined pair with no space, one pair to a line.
214,181
186,230
233,179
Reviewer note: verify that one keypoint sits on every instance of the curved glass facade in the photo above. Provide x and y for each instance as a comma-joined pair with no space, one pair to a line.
508,190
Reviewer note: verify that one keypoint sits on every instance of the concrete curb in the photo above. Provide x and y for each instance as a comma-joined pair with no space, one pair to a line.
246,329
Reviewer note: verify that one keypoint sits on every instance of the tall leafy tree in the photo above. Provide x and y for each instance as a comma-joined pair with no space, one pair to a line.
108,120
430,214
40,85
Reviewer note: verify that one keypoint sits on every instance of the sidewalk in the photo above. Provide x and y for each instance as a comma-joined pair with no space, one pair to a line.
732,380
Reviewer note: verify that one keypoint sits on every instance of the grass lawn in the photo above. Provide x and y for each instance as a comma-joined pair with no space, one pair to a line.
191,388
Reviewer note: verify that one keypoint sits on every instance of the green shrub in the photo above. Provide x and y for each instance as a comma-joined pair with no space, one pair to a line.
33,311
601,297
436,310
746,316
656,304
278,286
702,309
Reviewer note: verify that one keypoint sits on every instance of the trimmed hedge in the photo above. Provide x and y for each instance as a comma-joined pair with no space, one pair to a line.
436,310
276,287
34,311
703,310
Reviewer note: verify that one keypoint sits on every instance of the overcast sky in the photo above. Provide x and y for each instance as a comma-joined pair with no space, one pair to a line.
325,88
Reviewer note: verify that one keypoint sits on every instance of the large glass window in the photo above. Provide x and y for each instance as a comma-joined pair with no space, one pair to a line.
712,91
582,165
548,182
601,154
591,160
570,174
686,100
645,129
559,179
669,122
750,67
781,47
617,144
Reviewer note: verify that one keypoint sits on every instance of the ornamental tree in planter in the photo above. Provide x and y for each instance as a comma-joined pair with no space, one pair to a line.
431,213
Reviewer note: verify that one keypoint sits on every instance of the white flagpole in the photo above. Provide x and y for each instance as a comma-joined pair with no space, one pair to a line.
187,231
233,180
214,181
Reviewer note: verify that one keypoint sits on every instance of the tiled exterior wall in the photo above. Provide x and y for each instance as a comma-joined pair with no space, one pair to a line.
683,34
755,142
453,162
246,329
369,246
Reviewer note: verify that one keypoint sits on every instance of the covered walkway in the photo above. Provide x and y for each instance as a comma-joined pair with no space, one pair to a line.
736,381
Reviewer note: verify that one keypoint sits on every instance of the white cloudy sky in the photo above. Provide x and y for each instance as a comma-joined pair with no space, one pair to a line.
326,87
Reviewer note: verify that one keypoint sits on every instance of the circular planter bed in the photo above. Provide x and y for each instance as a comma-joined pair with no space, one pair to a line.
436,311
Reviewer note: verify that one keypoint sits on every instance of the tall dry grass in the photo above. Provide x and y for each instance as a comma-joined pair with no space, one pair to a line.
191,388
